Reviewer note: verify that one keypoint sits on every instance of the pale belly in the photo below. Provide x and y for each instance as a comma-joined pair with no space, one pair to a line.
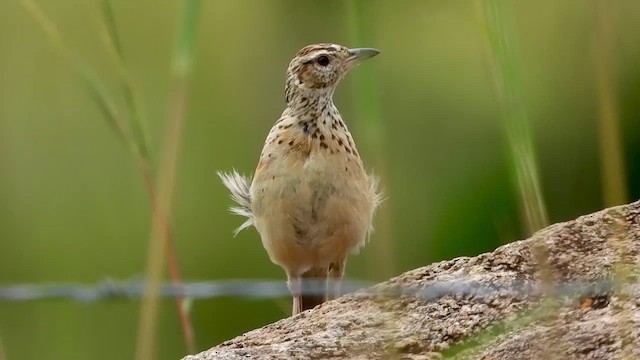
311,216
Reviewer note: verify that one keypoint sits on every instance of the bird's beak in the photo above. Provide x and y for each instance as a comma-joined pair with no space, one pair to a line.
362,54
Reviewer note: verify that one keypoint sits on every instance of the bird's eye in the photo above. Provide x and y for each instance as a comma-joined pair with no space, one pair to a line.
323,60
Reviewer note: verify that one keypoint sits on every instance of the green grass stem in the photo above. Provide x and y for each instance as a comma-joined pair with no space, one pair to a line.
612,168
366,103
160,229
112,42
516,123
95,86
131,133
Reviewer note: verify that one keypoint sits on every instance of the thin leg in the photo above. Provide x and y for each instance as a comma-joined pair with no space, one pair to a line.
337,273
295,287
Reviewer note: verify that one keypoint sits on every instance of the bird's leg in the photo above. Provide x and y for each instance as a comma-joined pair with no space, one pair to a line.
337,270
294,282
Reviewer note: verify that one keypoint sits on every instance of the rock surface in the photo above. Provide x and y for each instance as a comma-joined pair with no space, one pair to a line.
565,293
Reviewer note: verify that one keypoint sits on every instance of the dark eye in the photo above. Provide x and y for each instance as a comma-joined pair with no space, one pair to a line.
323,60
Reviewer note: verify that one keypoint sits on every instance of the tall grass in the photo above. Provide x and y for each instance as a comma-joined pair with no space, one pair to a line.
112,42
160,229
141,151
506,76
366,102
470,348
612,169
130,129
95,87
496,17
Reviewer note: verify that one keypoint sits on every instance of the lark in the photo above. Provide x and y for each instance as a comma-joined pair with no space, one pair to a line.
310,198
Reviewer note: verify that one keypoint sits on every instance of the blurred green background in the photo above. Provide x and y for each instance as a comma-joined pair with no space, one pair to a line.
73,207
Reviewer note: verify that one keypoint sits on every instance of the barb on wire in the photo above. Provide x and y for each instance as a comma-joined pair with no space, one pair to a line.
111,289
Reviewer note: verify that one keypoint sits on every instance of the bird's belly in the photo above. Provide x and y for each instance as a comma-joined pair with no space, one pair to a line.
309,216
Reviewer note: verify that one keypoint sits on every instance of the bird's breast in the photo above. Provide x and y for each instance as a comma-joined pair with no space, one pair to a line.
298,171
310,193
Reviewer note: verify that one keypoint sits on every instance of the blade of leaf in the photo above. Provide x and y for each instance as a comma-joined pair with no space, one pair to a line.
136,120
160,229
96,88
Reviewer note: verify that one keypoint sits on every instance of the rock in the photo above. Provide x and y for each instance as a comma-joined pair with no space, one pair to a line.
565,293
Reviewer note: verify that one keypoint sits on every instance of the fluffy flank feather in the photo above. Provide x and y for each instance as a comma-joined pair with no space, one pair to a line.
377,197
239,186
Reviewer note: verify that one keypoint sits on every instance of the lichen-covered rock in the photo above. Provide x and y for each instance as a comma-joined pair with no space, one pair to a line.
565,293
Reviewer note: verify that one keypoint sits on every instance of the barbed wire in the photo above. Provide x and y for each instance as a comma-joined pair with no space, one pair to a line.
268,289
112,289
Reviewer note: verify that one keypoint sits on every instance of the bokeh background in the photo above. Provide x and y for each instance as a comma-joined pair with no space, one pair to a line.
73,207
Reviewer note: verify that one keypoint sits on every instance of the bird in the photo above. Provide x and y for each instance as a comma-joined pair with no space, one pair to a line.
310,197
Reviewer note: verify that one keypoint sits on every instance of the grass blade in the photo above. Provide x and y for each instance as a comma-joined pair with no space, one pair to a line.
613,173
94,85
520,142
112,40
515,120
160,229
366,100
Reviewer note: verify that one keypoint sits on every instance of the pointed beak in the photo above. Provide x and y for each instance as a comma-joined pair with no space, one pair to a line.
362,54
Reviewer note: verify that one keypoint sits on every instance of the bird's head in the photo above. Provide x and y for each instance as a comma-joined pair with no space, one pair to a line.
316,69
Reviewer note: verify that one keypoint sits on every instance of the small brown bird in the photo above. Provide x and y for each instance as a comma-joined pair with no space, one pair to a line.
310,199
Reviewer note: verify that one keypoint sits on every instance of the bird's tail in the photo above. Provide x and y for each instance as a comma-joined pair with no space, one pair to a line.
239,186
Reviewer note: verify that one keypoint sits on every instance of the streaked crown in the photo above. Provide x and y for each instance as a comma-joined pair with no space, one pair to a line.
317,69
